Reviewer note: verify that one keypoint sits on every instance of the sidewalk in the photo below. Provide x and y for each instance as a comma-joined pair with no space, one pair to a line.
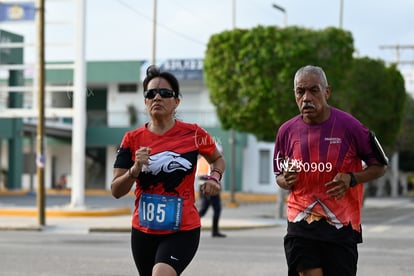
103,213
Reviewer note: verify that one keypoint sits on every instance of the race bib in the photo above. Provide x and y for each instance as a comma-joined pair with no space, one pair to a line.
160,212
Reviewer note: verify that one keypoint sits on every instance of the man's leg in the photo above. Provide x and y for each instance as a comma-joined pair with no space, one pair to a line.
216,203
205,203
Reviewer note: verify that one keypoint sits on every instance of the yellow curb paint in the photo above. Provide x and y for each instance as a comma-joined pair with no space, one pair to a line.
67,213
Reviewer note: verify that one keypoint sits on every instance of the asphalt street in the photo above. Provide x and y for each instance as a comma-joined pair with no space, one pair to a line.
255,251
78,246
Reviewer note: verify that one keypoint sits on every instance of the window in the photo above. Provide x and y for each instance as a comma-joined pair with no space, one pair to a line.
128,88
29,162
264,167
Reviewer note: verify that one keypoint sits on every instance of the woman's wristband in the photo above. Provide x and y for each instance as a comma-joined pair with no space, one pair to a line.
131,175
219,172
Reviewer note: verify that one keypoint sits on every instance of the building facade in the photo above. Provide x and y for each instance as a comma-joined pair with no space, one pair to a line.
115,104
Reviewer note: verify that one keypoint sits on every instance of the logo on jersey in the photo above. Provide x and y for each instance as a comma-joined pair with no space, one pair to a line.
167,161
333,140
167,168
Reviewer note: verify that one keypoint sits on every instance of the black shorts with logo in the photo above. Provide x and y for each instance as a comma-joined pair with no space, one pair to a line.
317,248
176,249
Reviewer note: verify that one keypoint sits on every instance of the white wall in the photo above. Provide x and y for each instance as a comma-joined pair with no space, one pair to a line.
110,159
63,155
117,104
195,107
251,170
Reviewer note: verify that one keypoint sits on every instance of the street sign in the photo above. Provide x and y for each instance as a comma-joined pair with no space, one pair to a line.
17,12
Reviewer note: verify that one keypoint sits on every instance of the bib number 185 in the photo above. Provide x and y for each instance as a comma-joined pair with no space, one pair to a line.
160,212
150,214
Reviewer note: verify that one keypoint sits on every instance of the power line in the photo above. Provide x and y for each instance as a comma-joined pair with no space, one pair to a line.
191,13
182,35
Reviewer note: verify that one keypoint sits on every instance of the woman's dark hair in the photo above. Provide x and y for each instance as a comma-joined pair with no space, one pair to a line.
153,72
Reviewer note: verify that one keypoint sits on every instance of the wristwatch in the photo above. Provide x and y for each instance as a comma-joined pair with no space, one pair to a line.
353,181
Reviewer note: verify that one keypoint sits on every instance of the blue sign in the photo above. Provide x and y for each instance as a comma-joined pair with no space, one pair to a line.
184,69
17,12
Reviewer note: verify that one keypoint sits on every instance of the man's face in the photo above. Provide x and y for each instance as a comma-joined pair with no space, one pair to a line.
311,98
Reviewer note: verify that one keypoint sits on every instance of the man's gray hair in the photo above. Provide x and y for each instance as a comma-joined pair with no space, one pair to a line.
314,70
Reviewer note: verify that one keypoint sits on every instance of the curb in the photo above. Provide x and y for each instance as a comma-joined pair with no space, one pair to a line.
239,197
127,229
20,228
29,212
203,228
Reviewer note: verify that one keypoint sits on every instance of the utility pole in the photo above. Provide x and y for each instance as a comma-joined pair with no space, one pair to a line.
154,34
281,192
40,156
398,49
283,10
232,139
395,155
341,13
79,111
233,14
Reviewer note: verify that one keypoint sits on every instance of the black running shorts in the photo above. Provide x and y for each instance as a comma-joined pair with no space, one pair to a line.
176,249
335,258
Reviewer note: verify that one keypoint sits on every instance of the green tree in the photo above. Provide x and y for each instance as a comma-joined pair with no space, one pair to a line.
406,137
406,134
249,73
376,97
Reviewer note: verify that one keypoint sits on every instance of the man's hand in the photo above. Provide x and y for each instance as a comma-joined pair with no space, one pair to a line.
338,186
287,180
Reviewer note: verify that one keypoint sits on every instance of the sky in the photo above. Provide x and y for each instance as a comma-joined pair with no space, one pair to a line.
123,29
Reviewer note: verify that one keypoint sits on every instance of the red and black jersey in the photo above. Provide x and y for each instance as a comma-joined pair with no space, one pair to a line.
170,174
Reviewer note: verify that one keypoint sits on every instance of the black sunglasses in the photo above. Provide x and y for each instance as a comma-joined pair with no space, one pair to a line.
164,93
